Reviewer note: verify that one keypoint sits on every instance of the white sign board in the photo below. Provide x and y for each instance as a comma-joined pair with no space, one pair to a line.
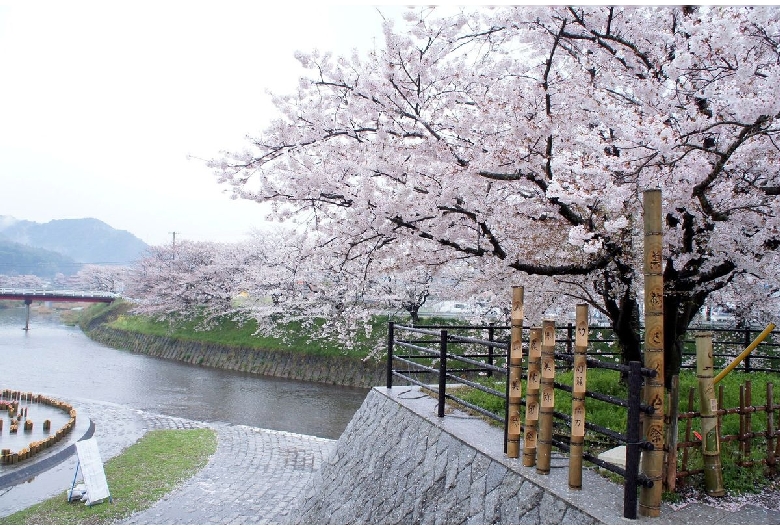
92,471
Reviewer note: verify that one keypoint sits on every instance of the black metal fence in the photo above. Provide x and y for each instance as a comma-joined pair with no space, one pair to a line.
438,351
432,356
728,343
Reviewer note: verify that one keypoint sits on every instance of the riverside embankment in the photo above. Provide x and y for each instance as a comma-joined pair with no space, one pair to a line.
342,371
399,463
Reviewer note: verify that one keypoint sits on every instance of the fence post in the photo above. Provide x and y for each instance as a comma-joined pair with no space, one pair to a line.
708,407
672,434
577,438
506,398
652,464
390,341
515,374
491,336
546,409
771,439
532,396
746,346
442,371
633,439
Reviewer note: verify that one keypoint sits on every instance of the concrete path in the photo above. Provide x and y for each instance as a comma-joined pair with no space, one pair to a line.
254,477
257,475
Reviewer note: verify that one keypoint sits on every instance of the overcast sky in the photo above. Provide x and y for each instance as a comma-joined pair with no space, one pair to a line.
102,102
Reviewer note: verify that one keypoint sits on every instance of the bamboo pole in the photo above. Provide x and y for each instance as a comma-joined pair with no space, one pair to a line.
515,374
748,420
577,438
708,406
532,396
547,405
652,460
747,351
721,406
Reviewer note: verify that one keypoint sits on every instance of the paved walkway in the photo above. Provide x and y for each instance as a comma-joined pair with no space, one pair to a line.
256,475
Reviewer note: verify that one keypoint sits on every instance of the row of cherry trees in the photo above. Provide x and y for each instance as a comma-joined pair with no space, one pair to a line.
88,278
284,276
517,142
508,146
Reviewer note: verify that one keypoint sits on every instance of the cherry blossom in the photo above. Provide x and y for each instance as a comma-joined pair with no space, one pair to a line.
522,138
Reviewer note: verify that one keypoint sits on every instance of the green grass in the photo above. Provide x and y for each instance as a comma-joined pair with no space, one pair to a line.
737,479
137,478
294,337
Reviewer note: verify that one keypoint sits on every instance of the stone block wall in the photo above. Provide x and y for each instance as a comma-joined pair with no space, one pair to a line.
331,370
398,463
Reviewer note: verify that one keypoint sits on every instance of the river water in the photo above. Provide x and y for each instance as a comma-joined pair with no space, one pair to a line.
60,361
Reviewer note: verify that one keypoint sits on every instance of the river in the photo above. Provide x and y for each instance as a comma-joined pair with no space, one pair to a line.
58,360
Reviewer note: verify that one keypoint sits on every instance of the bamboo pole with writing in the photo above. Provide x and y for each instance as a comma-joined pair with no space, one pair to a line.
547,397
577,438
708,407
515,374
653,459
532,396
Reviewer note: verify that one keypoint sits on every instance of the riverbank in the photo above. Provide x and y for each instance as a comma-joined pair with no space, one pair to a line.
334,370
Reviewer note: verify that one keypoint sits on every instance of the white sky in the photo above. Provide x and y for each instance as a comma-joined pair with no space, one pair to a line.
102,102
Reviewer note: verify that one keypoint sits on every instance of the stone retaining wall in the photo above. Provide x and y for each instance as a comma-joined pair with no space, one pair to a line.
398,463
331,370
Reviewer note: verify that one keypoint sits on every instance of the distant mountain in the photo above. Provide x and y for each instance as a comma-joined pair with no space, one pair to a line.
21,260
82,240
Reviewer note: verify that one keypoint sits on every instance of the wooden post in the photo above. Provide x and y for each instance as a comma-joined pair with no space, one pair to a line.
771,435
514,422
547,392
532,396
742,429
708,406
27,303
577,439
748,420
653,460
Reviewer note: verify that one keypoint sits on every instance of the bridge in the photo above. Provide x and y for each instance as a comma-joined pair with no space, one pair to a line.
47,295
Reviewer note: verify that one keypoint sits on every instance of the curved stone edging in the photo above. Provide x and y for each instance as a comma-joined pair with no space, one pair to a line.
329,370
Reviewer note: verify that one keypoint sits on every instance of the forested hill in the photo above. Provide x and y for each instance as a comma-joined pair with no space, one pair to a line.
21,260
80,240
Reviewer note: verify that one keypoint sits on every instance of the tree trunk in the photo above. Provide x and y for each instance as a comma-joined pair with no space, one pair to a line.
626,325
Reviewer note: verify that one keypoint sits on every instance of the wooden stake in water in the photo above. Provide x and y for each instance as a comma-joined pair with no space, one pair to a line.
577,438
532,396
514,421
547,397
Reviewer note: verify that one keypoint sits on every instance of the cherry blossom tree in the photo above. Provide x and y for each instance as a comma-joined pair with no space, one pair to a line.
98,278
196,280
524,137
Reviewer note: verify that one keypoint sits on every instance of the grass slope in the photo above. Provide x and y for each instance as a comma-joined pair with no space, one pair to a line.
137,478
